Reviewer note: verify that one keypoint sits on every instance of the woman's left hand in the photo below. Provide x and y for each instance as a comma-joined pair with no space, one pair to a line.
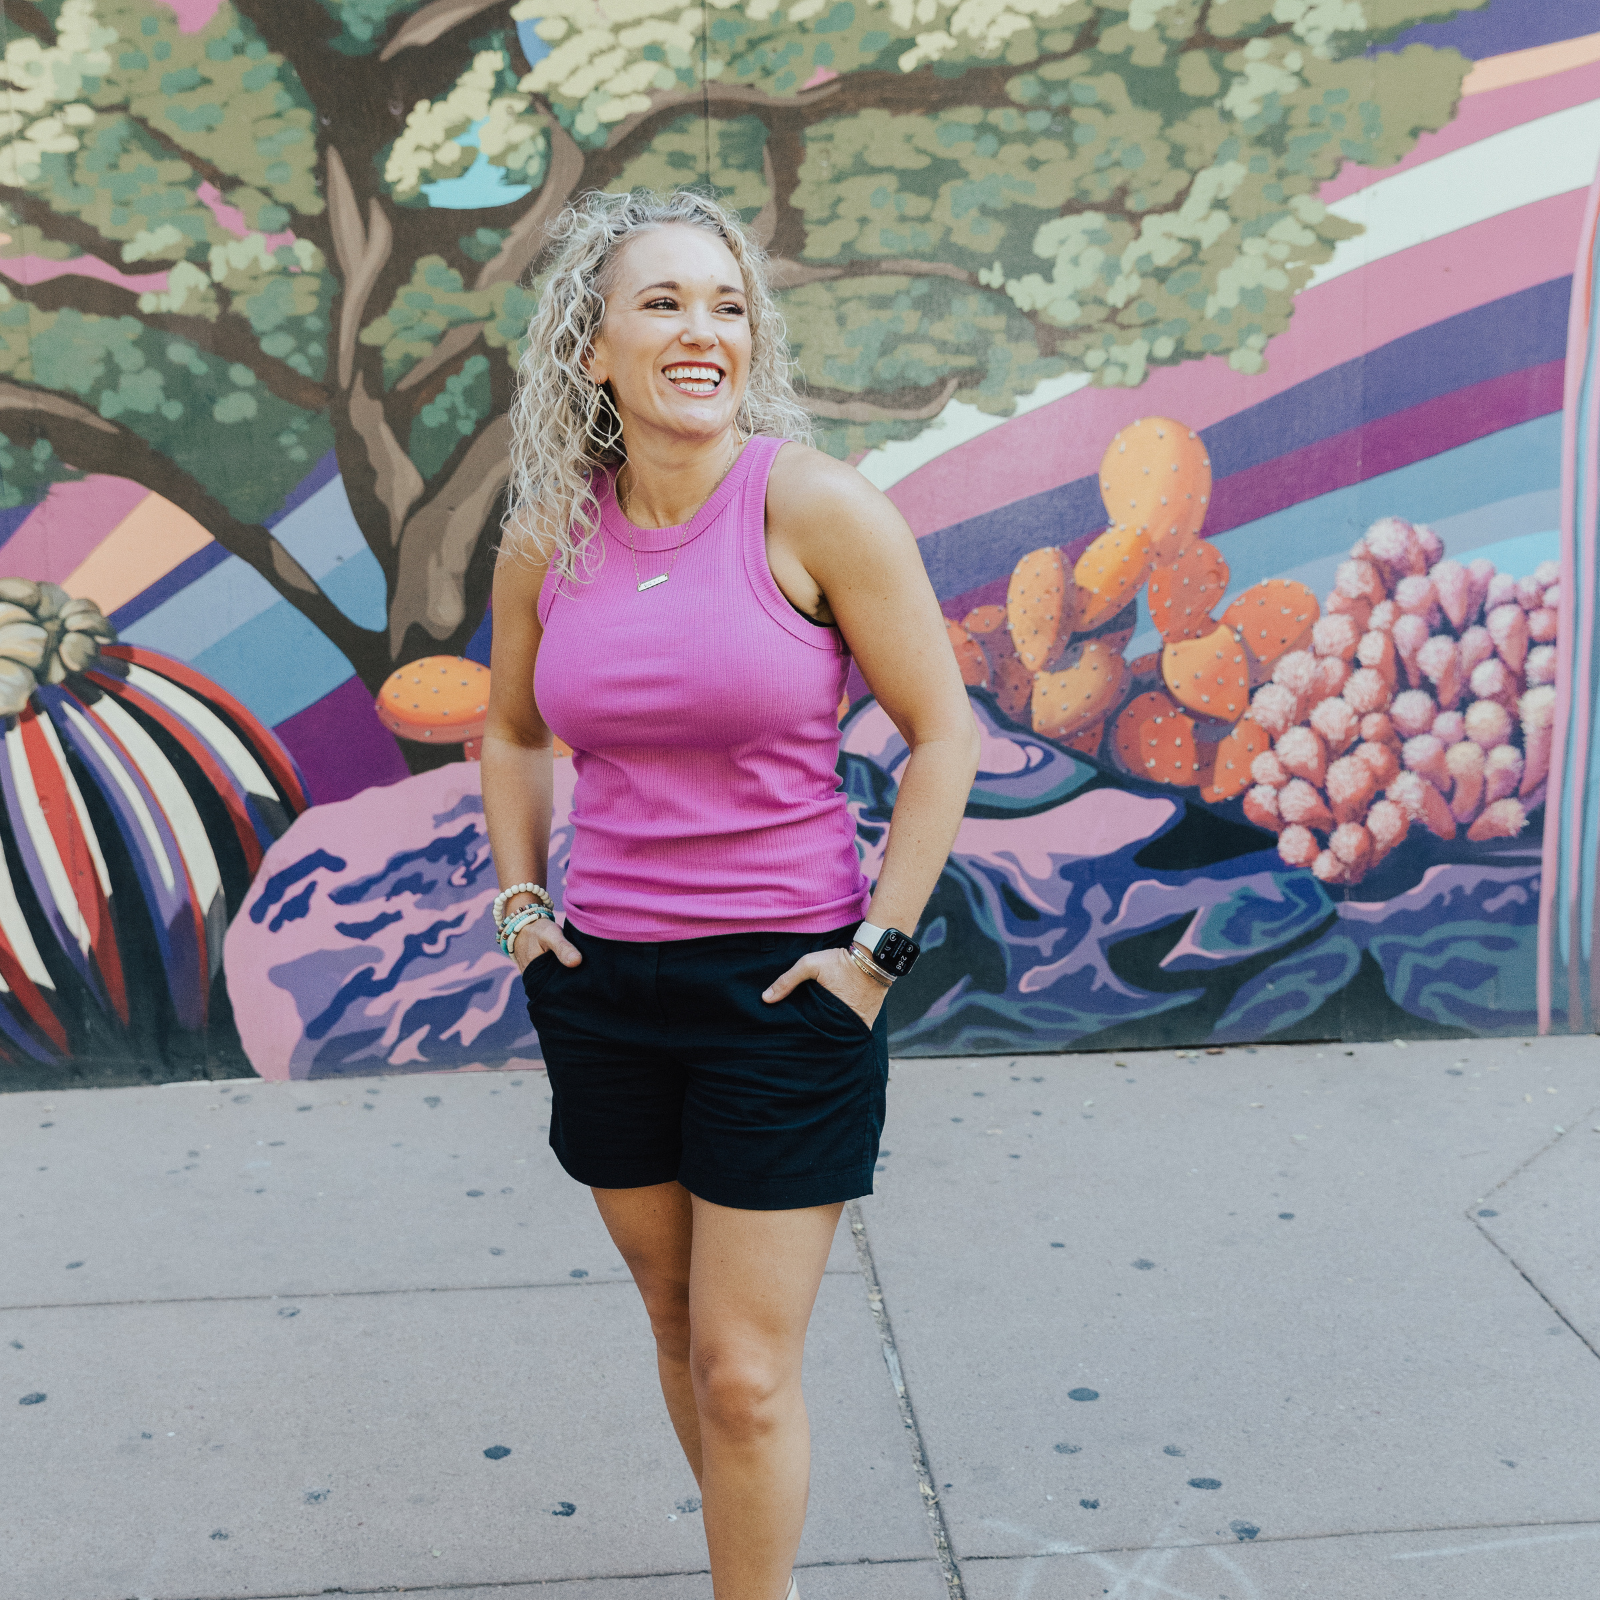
837,973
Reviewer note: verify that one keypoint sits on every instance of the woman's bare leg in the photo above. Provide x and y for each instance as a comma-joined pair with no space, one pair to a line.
752,1284
653,1227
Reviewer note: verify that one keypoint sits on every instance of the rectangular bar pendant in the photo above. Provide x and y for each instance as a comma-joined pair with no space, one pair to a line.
650,583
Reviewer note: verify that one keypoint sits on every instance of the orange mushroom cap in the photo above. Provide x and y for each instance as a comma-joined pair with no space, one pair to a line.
437,700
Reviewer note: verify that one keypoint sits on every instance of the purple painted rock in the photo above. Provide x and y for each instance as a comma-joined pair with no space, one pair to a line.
366,942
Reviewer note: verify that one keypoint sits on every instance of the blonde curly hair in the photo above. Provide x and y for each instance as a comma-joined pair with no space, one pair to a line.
564,428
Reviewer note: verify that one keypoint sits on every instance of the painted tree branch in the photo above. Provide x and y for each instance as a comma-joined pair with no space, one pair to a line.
870,411
228,337
86,440
434,21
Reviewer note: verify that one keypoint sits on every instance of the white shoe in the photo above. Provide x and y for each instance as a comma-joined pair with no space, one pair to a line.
794,1589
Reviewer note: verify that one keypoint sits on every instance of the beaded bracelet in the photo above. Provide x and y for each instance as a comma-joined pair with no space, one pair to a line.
537,890
507,936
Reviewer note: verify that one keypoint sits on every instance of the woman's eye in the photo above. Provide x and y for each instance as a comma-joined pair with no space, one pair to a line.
738,311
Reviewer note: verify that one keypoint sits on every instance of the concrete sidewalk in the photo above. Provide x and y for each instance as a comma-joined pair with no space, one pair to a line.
1315,1320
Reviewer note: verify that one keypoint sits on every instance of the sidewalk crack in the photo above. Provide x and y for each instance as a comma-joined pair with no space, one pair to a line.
908,1416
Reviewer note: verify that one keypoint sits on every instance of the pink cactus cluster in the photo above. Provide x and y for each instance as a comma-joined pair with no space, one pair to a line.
1427,696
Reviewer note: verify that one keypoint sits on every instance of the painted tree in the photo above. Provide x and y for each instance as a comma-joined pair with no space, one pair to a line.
963,198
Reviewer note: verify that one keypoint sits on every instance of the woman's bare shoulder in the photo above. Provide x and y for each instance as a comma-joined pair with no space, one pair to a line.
807,486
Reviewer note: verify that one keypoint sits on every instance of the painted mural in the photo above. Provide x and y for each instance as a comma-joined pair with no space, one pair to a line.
1225,356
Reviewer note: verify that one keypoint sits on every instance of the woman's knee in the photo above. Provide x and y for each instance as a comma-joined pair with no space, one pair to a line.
666,1303
740,1389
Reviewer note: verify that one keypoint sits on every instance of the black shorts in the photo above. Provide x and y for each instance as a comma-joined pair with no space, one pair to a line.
665,1063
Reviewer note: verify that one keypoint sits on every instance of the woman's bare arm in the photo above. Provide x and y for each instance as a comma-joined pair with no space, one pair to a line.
838,548
517,777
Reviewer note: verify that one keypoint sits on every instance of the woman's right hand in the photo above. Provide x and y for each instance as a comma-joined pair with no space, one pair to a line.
543,936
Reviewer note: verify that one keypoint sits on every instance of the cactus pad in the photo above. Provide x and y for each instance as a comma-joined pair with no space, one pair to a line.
1080,693
1274,618
1183,593
1125,731
1042,605
1156,477
1208,676
1110,571
1231,774
1166,749
969,654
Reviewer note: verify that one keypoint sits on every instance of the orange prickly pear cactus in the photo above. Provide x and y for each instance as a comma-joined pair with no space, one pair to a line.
1042,608
1081,693
1155,477
1274,618
1125,731
1167,751
1110,571
1230,776
1209,676
1183,592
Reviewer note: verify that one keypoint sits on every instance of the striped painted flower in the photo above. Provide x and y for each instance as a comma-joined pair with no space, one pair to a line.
139,799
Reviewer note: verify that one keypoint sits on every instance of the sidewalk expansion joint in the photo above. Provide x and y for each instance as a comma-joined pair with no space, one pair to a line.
1582,1525
1522,1272
319,1294
908,1416
475,1585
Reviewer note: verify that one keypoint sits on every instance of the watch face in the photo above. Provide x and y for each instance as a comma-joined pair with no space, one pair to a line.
896,952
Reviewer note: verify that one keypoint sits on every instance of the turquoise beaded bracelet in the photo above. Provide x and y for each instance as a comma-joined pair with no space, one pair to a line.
507,937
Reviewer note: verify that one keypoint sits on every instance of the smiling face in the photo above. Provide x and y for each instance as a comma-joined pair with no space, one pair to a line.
675,340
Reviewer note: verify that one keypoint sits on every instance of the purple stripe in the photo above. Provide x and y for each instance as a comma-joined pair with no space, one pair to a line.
1503,26
213,555
339,745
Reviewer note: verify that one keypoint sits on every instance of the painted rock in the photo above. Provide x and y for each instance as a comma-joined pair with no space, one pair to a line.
1042,606
1183,593
366,942
1209,676
1080,693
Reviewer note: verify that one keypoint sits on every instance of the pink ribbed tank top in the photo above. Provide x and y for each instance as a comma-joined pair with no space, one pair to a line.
703,719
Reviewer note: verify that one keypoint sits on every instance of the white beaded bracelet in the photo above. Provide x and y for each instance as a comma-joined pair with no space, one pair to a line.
537,890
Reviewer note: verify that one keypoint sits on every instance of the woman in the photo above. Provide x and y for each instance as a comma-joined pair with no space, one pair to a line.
682,587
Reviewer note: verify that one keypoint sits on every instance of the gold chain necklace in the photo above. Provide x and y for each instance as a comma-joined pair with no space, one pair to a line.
661,577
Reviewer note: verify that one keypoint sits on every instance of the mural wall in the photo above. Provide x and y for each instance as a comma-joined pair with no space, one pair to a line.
1226,357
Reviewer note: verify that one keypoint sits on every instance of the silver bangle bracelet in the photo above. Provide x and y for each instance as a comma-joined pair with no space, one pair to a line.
865,964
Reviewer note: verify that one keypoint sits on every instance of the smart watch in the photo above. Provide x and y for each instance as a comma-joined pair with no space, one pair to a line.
895,952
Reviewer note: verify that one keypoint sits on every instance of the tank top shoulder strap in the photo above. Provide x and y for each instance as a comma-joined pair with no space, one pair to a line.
753,542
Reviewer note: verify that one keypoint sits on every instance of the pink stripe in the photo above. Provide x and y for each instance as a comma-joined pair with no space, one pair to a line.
1358,312
1480,116
71,520
39,269
1571,722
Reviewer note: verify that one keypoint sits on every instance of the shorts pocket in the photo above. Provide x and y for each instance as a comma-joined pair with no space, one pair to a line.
841,1009
536,975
